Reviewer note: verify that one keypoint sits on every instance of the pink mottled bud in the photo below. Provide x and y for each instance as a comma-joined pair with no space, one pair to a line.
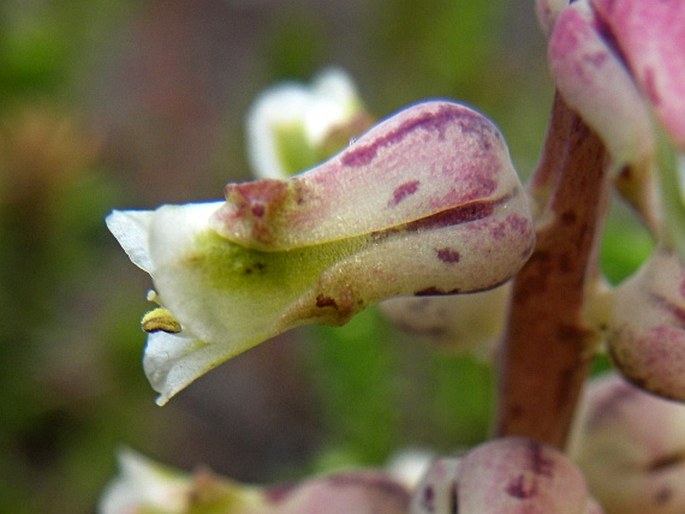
505,476
647,330
630,446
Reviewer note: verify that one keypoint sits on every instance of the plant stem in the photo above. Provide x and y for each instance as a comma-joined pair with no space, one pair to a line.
545,352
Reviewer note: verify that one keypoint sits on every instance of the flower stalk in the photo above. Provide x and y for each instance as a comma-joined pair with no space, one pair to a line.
547,344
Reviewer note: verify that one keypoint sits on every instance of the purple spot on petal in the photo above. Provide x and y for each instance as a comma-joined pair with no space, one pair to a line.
258,210
460,214
610,405
666,462
540,463
326,301
522,487
448,255
370,481
663,496
428,499
435,291
278,493
403,191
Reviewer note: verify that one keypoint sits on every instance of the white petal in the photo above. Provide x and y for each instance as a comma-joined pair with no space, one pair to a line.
200,278
141,485
279,106
131,228
334,101
173,229
331,101
172,362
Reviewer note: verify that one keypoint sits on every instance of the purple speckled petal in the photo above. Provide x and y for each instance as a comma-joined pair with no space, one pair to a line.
650,35
593,81
432,158
505,476
647,338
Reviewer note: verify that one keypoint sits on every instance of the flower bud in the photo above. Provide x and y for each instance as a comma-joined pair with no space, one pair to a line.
426,203
504,476
457,324
647,335
630,446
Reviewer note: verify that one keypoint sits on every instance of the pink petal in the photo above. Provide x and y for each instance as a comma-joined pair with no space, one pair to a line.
429,159
593,81
651,38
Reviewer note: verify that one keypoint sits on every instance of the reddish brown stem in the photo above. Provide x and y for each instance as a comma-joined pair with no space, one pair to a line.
544,359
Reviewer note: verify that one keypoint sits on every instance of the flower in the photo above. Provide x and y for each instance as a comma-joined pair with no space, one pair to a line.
426,203
291,127
505,476
630,446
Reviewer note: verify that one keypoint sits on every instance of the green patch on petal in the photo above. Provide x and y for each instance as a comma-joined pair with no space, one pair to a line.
264,293
229,266
294,152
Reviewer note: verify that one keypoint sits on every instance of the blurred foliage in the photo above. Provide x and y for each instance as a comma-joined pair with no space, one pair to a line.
86,103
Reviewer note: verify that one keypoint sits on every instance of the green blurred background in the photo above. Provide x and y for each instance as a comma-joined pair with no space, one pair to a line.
128,104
